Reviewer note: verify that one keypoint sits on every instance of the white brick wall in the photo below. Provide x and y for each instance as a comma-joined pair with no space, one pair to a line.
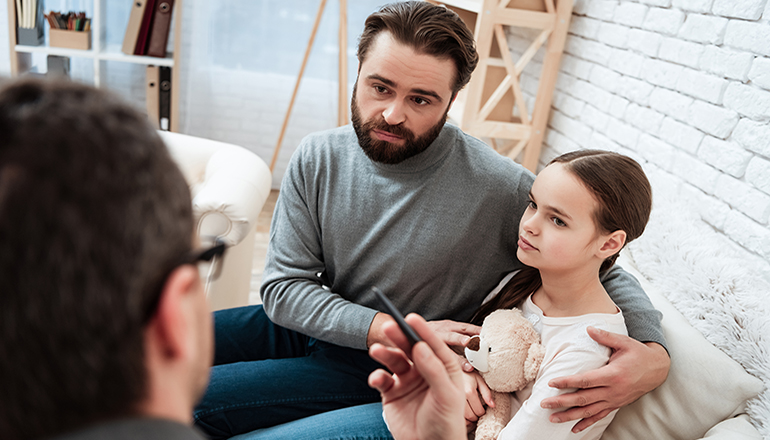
680,51
748,36
703,28
746,9
693,5
726,63
684,87
760,72
665,21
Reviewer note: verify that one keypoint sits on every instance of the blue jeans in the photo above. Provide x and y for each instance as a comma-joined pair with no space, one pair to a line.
265,375
363,422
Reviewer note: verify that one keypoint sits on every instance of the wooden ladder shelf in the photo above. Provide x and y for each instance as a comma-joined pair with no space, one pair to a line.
492,105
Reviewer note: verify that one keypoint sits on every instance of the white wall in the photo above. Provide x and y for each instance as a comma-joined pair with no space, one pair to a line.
5,59
683,86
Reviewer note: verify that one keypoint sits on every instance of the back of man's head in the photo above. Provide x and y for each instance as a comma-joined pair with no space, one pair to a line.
93,215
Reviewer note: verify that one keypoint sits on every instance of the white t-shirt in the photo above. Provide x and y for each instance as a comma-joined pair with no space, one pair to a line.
568,350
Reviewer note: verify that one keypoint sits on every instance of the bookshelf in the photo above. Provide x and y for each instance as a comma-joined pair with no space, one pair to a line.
21,55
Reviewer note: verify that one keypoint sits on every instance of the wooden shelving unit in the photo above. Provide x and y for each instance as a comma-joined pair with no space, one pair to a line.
493,105
21,56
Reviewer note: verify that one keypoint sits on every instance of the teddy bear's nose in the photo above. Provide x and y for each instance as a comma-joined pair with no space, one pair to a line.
477,353
474,343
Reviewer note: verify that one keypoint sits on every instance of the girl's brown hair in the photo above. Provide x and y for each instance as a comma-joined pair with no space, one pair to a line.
624,198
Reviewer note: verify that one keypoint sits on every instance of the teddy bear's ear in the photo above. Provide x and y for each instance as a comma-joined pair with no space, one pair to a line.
534,359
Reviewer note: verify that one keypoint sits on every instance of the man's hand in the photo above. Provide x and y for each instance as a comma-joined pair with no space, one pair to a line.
423,398
634,369
376,335
456,335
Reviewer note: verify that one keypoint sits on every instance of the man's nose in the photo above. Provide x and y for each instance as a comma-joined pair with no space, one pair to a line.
394,113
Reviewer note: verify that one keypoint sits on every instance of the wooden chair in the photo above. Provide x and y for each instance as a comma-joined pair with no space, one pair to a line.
492,105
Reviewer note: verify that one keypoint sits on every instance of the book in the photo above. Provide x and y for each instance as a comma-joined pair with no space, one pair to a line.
152,92
161,25
144,31
134,24
164,97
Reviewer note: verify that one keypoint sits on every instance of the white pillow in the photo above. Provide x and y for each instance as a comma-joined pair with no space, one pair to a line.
737,428
704,385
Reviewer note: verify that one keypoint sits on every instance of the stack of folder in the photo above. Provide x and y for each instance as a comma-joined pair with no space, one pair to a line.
148,28
158,92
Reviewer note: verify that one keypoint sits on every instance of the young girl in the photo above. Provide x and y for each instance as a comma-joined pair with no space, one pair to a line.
584,207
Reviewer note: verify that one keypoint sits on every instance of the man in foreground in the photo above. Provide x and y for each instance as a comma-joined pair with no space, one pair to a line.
104,326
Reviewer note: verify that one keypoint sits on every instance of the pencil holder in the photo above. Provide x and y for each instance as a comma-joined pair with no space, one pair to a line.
70,39
30,36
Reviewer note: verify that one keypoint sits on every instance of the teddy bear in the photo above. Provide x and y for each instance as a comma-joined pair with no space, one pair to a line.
507,353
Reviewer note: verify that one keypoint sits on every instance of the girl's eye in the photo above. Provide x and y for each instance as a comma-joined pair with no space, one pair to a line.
532,205
557,221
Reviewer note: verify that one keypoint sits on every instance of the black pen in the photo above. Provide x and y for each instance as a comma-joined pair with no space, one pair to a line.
411,335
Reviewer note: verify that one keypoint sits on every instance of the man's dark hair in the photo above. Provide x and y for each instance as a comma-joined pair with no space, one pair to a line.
94,214
427,28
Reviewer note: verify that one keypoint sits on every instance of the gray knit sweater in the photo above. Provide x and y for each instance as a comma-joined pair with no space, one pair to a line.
436,233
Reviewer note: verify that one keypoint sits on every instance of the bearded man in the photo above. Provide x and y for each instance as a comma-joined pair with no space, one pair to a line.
408,203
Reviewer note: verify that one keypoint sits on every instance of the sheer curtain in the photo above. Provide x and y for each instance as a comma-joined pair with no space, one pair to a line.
240,62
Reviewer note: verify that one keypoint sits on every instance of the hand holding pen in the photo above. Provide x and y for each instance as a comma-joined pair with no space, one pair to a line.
423,398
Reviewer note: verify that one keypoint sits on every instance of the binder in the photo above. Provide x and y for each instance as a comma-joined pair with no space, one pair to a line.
152,92
144,31
161,24
164,96
134,24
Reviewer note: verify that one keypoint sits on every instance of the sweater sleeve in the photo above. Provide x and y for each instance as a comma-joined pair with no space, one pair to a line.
643,321
292,290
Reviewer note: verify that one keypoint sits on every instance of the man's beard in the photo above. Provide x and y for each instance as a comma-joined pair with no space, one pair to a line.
386,152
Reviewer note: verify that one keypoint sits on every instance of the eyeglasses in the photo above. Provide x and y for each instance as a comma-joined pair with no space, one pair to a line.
209,262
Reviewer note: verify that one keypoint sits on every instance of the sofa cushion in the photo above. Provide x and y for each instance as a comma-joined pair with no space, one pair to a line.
704,385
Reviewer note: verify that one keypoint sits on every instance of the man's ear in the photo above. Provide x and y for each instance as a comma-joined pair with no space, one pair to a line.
612,243
176,311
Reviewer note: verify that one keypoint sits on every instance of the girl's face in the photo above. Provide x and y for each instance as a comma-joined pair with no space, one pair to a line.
557,231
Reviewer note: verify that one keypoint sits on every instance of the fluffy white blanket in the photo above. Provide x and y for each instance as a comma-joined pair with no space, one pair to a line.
722,295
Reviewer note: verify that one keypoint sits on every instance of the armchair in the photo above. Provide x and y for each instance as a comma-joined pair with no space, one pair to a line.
229,187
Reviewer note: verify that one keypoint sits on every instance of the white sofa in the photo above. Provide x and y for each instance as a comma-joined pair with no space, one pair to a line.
714,301
229,187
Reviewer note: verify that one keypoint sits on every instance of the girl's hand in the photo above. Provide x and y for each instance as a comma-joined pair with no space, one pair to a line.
477,395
